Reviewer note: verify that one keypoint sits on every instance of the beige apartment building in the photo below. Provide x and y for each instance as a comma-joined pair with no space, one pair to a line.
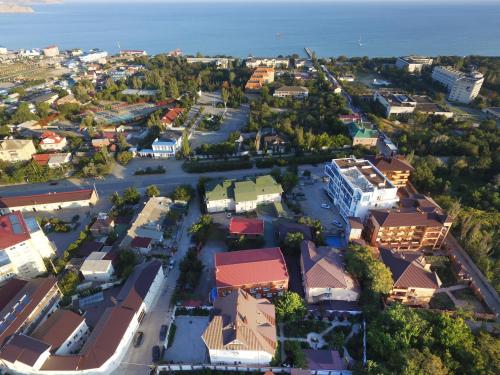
14,150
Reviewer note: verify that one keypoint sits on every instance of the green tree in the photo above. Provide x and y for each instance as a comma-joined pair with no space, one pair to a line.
124,157
42,110
225,96
126,263
186,150
152,191
290,307
424,363
131,196
183,193
68,283
292,242
289,181
117,200
22,114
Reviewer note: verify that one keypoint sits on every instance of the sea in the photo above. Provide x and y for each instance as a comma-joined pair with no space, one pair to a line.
261,28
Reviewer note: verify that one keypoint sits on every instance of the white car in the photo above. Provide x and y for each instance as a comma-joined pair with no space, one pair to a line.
325,205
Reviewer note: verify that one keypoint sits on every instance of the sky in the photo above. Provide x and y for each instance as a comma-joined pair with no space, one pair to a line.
299,1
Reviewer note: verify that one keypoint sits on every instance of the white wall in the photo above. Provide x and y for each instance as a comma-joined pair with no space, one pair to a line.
241,356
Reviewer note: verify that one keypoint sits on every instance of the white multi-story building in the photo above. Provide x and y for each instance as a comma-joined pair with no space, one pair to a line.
357,186
51,51
462,87
93,56
413,64
97,268
270,62
23,245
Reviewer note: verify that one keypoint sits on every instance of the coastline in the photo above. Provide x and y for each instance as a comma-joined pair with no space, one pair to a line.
14,8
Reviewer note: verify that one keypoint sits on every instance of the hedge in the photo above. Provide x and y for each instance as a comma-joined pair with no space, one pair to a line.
217,166
298,160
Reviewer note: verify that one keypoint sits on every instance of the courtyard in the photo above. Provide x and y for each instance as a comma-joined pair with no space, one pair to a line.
187,345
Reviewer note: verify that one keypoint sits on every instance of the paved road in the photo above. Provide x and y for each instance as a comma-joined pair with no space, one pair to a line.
138,360
489,293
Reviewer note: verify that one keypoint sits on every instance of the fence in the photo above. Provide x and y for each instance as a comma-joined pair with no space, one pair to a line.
276,370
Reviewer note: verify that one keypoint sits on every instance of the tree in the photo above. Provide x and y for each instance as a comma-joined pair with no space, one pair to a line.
68,283
131,196
289,181
186,150
22,114
292,242
126,263
124,157
152,191
424,363
295,356
183,193
225,96
42,109
290,307
117,200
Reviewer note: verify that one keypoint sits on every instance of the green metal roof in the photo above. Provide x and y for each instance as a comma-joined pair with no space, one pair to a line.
359,131
241,191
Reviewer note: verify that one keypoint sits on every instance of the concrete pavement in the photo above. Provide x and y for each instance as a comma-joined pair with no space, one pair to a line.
139,360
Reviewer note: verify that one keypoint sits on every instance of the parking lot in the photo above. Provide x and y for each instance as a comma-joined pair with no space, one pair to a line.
314,196
188,346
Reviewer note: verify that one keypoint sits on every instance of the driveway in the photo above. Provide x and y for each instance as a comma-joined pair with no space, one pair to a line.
188,346
207,280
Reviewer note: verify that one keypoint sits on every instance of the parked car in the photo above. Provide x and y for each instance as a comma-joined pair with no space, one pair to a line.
53,183
171,264
337,223
325,205
163,332
156,353
229,215
138,338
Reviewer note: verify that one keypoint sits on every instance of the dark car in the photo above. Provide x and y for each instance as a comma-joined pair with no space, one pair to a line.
53,183
139,336
163,332
156,353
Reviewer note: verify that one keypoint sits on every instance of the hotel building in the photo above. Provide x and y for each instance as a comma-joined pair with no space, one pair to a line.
463,87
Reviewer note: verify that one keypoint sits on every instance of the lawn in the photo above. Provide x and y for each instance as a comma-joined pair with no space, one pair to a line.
442,266
302,328
441,301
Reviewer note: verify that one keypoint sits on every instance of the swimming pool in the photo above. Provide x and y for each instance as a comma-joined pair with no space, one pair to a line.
334,241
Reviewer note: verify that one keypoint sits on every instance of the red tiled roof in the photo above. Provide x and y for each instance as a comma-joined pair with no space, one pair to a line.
249,267
56,138
55,197
41,159
141,242
24,349
243,225
172,115
13,230
58,328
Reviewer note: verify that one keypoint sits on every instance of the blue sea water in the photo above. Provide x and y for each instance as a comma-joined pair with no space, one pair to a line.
240,29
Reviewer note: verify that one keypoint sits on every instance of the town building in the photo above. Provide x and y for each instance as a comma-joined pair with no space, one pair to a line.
104,348
351,117
52,160
133,53
100,143
396,169
357,186
324,275
141,245
52,141
325,361
354,229
417,225
165,146
103,225
242,226
148,222
427,106
97,268
492,113
413,64
241,196
49,201
23,245
64,330
219,62
24,304
242,330
93,56
414,283
386,147
296,92
463,87
51,51
363,135
14,150
259,78
172,114
395,104
270,62
260,272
